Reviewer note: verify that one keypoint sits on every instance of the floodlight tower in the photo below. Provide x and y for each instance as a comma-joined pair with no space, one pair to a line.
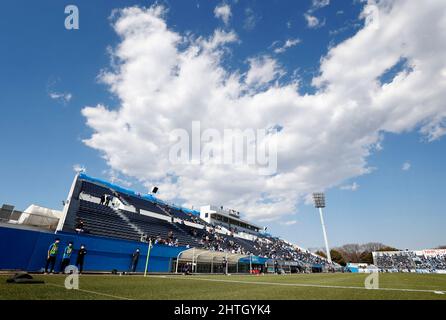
319,203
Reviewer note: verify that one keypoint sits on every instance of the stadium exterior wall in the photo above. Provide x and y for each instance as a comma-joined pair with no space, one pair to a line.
27,249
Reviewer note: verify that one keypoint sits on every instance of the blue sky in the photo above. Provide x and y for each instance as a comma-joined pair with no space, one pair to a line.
43,136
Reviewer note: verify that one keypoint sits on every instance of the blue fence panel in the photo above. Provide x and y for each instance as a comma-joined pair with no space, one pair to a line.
27,250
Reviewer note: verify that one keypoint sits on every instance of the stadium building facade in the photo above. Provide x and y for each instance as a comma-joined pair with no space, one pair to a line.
112,222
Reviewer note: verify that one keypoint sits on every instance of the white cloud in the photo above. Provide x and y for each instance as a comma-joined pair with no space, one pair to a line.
406,166
289,222
114,177
317,4
61,97
79,168
350,187
218,39
288,44
262,71
223,12
313,22
165,80
251,19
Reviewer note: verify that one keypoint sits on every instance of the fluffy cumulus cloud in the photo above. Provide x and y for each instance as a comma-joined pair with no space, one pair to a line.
165,80
223,12
313,22
262,71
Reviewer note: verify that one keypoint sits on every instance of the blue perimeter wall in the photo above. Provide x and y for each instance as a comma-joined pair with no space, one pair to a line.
27,250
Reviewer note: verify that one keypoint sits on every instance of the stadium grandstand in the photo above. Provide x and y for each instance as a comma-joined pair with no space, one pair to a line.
421,261
113,221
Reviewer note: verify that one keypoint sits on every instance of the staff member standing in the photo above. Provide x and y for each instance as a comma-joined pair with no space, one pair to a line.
276,267
225,266
135,259
80,258
66,256
52,255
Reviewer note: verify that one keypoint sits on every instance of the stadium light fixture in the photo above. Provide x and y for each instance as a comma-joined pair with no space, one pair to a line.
319,203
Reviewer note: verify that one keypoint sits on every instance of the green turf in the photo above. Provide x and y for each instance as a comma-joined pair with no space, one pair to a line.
229,287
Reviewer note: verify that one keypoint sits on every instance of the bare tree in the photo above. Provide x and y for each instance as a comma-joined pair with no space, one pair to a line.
351,252
356,253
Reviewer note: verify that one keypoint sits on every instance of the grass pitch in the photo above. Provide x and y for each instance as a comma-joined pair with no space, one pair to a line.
218,287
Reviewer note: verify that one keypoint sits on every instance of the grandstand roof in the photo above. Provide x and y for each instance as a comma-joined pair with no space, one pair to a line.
132,193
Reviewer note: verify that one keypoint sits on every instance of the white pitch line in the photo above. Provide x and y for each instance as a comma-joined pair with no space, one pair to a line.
303,285
93,292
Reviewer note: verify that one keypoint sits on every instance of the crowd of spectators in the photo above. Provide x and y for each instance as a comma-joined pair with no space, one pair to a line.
268,247
437,262
409,260
170,240
279,249
214,241
398,261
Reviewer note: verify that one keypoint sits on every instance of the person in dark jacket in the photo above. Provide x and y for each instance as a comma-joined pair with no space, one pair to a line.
108,198
135,259
225,266
80,258
276,267
66,256
80,226
53,249
102,199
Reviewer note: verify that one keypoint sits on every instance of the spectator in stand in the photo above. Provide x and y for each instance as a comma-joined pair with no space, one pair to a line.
52,255
80,226
102,199
108,198
81,258
143,238
66,257
135,259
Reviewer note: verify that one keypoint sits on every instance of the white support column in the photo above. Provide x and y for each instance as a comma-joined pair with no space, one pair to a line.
193,259
250,263
67,205
325,235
